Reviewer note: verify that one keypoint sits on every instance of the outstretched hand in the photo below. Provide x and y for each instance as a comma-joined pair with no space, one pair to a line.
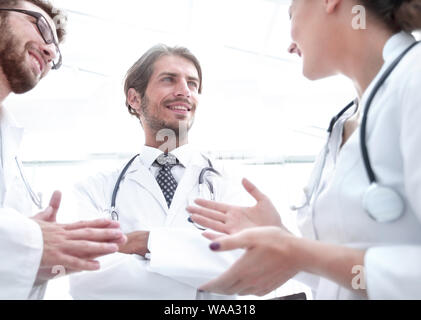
75,246
229,219
269,262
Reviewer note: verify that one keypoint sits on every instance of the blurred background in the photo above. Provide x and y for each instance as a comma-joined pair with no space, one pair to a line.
258,114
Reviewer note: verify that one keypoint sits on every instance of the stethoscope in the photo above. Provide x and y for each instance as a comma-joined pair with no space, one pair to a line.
204,182
382,203
36,198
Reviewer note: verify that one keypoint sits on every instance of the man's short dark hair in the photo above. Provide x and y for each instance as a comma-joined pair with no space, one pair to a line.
58,16
140,73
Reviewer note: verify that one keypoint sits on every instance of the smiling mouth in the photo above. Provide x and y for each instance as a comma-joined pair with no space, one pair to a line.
37,62
179,109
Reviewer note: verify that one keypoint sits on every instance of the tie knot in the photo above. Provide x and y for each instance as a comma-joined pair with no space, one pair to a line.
167,160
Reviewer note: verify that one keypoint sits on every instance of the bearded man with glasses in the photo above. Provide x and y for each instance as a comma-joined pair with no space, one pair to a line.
34,247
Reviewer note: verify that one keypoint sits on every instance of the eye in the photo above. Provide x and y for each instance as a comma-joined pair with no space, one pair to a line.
167,79
193,84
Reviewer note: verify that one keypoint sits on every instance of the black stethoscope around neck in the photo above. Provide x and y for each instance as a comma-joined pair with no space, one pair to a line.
115,216
382,203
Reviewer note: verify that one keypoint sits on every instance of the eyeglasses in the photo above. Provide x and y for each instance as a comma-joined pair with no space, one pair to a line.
46,32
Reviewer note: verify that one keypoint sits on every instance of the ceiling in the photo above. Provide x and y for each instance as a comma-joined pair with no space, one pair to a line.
255,102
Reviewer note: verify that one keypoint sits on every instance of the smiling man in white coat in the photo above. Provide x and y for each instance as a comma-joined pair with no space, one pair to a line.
165,256
32,248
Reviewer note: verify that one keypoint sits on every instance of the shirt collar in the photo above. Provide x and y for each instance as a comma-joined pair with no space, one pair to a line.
184,155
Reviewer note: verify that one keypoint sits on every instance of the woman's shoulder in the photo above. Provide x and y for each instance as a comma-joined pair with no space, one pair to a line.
413,58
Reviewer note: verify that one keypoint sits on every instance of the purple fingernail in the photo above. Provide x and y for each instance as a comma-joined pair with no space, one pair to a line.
215,246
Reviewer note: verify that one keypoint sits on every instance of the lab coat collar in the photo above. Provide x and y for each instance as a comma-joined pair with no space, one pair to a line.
396,45
184,154
392,49
140,173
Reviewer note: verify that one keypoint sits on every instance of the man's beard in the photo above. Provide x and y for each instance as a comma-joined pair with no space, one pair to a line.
156,124
12,62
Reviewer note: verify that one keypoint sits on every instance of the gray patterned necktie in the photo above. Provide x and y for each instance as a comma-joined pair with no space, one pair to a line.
165,179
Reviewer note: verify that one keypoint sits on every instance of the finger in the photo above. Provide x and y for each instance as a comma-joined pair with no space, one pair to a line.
229,281
235,287
98,235
208,213
254,192
55,205
212,205
220,285
247,291
77,264
90,249
121,241
269,288
263,285
231,242
209,224
101,223
211,236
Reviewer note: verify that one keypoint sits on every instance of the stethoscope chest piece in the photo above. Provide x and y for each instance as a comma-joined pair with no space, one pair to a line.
383,204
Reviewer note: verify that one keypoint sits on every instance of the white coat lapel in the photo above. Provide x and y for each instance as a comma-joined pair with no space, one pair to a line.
11,139
140,175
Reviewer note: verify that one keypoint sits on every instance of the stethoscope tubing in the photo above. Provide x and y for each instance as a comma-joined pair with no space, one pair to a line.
114,214
363,130
363,137
35,199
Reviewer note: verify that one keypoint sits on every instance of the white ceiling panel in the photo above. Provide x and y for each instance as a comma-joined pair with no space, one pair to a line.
255,99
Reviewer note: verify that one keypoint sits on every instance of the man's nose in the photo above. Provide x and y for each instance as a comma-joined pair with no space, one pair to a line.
183,89
49,51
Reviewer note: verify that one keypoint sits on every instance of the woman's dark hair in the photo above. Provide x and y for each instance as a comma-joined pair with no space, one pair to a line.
398,14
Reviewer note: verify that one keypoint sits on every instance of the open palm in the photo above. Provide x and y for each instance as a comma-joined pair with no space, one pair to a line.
229,219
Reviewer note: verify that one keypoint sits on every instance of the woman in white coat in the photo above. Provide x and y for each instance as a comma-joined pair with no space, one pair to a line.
345,252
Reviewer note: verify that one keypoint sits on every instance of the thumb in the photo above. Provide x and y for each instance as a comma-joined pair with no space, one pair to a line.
253,191
231,242
44,215
55,205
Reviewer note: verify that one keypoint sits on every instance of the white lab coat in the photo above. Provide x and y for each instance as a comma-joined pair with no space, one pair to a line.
180,259
393,259
21,243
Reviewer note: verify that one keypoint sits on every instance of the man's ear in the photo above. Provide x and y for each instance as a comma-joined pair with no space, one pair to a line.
332,5
134,100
